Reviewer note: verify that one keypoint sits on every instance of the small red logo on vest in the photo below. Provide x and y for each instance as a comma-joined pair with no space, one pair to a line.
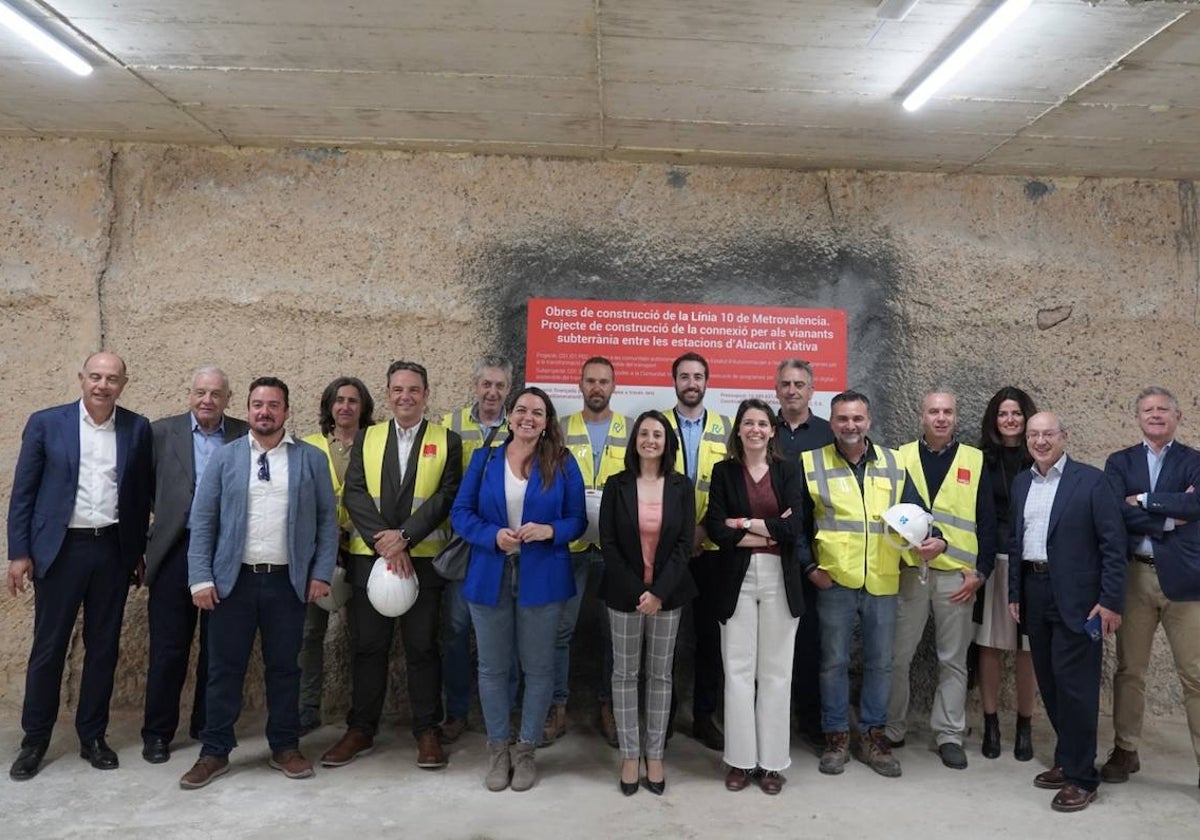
964,475
430,451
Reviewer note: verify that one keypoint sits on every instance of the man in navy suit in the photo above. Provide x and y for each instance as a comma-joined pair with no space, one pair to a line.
1067,555
263,543
1157,479
77,527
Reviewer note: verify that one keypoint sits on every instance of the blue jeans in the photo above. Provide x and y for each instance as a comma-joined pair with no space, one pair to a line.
530,633
837,608
588,567
265,605
456,655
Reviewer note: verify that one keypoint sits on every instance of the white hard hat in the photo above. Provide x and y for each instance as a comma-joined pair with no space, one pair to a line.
390,594
339,592
907,526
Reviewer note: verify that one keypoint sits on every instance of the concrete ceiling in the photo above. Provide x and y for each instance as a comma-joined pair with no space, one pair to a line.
1108,87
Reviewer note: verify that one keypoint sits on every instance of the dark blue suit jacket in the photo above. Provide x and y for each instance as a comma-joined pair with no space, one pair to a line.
1085,543
47,476
1176,552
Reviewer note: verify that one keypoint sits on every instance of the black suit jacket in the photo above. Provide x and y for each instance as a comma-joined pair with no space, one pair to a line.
395,503
727,499
175,483
621,545
1176,552
1085,543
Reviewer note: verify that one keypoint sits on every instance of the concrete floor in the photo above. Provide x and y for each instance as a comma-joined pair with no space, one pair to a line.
385,795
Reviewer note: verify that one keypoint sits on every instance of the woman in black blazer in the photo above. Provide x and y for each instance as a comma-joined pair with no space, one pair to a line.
756,518
647,519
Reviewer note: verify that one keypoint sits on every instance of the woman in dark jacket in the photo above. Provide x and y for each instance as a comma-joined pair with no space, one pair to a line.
756,517
647,517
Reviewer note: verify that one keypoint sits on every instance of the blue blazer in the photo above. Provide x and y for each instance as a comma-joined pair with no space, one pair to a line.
1085,543
47,476
1176,552
479,512
219,511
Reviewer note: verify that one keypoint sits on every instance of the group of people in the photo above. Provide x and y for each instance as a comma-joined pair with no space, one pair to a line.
768,528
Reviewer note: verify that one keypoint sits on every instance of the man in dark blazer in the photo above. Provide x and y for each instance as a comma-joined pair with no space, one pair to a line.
1067,556
400,514
182,446
77,527
263,543
1157,480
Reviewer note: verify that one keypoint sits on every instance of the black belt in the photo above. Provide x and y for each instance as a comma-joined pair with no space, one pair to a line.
1144,558
1038,567
93,533
264,568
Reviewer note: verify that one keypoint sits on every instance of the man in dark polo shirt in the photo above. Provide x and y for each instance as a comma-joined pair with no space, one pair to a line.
799,431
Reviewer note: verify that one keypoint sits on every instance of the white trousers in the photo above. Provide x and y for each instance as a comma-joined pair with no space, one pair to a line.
756,647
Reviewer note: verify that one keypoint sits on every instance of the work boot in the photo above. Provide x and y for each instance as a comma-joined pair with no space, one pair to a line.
556,724
524,771
1119,765
875,751
991,736
836,754
499,766
1023,746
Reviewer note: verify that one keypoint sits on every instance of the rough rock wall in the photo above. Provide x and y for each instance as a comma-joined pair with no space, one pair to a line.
312,263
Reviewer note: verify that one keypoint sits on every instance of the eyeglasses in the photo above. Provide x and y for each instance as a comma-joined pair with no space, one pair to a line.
264,468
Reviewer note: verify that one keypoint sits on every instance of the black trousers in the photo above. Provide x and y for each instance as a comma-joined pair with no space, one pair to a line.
709,672
172,620
1067,663
806,666
88,572
372,639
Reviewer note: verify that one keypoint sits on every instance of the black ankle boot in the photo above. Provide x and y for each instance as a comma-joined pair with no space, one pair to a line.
991,736
1023,747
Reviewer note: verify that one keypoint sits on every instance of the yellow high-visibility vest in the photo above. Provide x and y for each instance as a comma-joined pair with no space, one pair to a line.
472,434
849,542
612,457
431,463
954,508
345,526
714,443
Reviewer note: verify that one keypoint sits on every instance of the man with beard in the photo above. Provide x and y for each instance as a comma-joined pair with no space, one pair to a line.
597,437
263,544
703,438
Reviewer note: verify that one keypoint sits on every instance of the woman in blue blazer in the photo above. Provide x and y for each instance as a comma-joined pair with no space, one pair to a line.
519,506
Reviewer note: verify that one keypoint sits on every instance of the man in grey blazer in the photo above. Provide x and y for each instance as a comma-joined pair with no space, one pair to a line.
263,543
183,445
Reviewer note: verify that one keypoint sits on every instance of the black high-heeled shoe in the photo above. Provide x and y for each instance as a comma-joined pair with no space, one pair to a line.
629,788
656,788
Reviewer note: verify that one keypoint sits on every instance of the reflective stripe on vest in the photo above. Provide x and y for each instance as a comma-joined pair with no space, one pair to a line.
612,459
849,539
714,442
954,508
473,435
431,463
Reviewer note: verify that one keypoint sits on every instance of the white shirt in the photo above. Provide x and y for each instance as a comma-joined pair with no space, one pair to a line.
1154,464
267,506
404,445
1037,510
96,493
514,497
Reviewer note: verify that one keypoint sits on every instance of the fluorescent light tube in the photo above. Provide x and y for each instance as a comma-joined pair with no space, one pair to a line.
1008,11
55,49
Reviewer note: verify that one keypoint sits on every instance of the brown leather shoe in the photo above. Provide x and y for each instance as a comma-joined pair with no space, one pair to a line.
430,755
206,768
353,744
1119,765
1052,779
738,779
292,764
1072,798
771,781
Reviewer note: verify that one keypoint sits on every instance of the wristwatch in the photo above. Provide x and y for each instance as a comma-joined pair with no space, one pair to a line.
745,524
404,536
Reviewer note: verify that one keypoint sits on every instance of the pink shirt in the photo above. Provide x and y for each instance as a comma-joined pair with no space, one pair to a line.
649,527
